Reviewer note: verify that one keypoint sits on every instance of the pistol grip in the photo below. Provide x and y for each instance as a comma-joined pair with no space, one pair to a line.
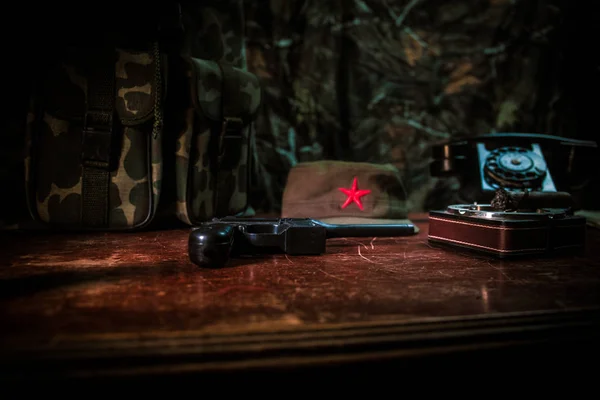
209,245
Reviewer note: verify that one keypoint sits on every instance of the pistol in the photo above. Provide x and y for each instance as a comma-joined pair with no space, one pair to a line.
211,244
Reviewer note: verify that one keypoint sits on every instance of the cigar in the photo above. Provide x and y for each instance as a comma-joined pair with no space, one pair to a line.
526,200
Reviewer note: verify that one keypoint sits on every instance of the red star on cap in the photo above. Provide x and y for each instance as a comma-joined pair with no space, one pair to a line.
354,194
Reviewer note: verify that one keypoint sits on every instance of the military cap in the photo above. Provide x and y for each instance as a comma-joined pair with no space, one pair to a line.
345,192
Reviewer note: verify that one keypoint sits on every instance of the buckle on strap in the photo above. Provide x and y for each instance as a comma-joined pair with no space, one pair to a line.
230,142
232,126
96,141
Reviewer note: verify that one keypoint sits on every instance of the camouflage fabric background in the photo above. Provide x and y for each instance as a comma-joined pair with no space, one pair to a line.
380,81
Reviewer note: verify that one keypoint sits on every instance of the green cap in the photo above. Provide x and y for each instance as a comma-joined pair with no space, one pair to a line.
345,192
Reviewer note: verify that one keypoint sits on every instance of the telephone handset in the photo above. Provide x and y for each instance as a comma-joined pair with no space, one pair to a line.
516,161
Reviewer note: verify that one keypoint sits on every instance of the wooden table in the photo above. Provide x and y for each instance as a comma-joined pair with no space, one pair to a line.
131,306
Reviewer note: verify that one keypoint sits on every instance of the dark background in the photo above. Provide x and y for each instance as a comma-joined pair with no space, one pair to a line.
357,80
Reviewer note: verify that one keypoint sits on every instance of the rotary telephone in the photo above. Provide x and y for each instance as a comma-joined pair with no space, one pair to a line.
516,161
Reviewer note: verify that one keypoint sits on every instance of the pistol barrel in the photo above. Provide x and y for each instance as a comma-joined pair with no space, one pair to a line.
367,230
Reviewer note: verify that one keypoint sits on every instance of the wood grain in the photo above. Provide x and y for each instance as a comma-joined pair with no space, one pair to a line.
80,292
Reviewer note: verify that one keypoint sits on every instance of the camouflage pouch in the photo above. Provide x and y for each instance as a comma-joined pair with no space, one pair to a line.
94,139
213,144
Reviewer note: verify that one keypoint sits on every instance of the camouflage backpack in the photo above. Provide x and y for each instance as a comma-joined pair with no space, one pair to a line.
94,137
214,123
117,136
213,137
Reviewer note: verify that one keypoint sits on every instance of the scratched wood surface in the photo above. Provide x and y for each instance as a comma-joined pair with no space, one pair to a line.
122,305
118,283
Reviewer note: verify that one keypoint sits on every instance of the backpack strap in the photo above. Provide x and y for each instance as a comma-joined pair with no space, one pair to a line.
98,128
231,137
